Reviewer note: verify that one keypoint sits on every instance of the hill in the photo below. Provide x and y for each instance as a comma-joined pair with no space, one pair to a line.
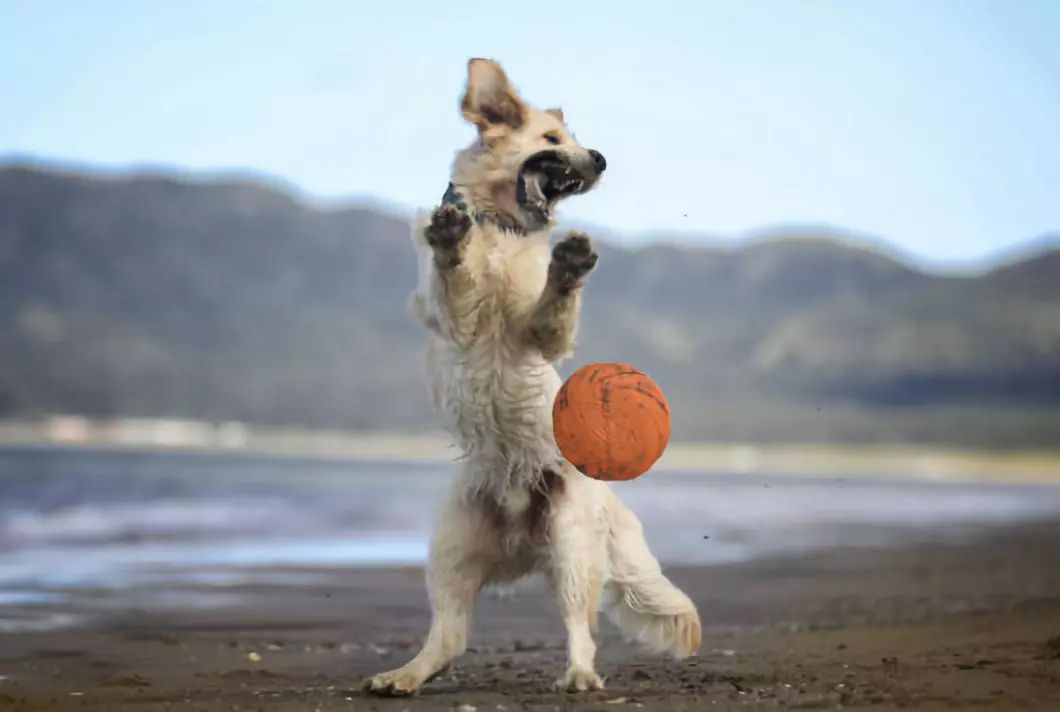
152,295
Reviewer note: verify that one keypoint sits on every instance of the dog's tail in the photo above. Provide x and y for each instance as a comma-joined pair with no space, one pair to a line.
638,598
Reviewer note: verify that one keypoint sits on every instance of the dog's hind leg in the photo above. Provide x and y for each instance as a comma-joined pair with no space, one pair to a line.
457,567
579,556
554,320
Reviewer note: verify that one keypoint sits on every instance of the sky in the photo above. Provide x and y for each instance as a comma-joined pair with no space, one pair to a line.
932,126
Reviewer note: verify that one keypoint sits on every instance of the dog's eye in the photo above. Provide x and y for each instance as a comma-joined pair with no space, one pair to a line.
552,138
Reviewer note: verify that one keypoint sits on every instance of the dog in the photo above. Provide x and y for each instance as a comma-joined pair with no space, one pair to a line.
500,309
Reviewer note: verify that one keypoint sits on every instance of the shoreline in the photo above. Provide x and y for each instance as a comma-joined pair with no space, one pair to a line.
932,625
788,459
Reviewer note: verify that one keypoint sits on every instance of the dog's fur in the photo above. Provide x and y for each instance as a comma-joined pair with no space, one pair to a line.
499,312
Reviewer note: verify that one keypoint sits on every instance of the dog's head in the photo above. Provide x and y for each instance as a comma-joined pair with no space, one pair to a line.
525,161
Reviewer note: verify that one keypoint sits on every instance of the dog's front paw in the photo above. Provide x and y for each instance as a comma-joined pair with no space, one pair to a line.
578,679
572,258
447,232
396,683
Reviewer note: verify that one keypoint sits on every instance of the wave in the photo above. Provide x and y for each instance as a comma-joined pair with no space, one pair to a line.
94,523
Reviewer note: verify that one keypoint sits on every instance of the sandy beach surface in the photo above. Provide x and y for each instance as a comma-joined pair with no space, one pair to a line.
969,624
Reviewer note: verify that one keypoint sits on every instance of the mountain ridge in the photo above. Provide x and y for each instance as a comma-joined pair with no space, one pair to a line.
1048,240
155,295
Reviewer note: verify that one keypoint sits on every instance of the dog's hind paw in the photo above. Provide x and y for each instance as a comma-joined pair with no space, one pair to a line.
447,231
396,683
579,679
573,257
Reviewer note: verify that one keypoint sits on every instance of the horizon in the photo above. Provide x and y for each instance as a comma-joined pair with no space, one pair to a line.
650,237
931,126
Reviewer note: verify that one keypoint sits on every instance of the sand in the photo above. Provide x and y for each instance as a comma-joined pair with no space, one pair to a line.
971,625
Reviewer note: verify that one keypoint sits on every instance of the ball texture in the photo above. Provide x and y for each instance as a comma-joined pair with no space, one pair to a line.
611,421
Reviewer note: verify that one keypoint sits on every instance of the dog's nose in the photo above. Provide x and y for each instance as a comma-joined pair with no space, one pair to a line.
598,160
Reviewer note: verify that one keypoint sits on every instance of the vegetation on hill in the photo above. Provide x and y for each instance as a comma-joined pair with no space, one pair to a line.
152,295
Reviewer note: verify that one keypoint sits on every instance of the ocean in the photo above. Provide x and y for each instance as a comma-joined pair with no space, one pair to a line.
75,520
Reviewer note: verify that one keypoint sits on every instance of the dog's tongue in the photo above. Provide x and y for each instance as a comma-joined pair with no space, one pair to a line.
534,184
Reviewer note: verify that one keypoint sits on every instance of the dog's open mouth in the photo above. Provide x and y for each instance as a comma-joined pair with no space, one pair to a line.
544,179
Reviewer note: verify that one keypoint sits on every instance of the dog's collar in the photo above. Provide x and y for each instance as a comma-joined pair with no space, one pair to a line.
453,197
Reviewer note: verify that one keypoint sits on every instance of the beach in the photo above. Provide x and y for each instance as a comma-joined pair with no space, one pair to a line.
970,625
139,580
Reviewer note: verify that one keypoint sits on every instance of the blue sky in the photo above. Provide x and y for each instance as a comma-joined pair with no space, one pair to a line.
934,126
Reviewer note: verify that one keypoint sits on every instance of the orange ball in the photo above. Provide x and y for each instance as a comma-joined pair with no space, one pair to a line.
611,421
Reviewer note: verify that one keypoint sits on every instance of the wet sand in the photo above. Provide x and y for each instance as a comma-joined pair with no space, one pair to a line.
928,626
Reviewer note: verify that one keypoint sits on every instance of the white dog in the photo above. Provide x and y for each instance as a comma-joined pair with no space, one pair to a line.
499,312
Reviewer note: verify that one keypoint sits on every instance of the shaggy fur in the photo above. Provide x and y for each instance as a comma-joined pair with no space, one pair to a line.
499,308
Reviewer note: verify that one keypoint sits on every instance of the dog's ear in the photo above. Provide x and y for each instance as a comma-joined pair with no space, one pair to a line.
489,100
557,112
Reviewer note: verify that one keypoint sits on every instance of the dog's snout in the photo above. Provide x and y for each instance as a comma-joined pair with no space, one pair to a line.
599,162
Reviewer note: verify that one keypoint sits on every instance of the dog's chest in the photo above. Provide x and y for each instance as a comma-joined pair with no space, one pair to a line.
496,393
497,388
